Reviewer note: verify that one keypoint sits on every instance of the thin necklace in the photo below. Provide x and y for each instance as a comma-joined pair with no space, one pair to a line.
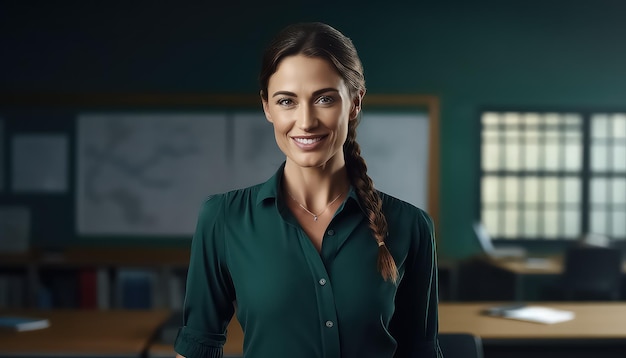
315,216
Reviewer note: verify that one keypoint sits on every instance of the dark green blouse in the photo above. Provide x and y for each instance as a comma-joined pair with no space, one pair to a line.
293,301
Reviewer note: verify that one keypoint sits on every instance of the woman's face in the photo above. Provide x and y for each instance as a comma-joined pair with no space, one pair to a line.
310,107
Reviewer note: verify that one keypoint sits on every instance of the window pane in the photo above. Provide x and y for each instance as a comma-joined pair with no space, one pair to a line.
551,190
551,224
598,157
598,222
600,126
490,156
599,190
511,190
512,159
552,120
531,119
572,224
490,118
619,224
531,190
573,157
619,158
531,223
489,190
619,125
551,156
511,118
572,190
510,223
531,157
619,192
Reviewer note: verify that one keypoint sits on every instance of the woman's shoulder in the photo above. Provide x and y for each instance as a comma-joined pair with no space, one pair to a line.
397,209
231,199
395,204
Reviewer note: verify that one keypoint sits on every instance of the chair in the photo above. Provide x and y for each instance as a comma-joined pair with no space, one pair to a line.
460,345
592,273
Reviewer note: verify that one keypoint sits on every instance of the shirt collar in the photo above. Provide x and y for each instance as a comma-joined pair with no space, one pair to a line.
271,189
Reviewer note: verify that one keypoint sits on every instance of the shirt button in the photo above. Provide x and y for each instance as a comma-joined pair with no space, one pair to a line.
329,324
322,281
331,232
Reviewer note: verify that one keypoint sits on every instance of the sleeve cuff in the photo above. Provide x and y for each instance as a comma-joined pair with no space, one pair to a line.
192,344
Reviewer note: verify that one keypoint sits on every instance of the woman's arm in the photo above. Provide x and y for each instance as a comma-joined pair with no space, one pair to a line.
415,323
209,295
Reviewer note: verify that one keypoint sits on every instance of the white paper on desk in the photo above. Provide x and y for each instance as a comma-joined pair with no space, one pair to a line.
539,314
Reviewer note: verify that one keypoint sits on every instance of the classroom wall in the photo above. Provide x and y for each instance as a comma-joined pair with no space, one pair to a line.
473,55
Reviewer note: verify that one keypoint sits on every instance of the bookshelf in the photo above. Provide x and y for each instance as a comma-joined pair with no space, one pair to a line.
94,278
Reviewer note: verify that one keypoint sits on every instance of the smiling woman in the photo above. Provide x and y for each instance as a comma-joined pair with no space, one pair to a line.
316,261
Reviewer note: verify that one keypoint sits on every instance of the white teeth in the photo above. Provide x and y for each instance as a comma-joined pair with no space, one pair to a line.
307,140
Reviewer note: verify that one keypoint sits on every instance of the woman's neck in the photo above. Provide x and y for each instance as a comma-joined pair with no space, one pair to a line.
315,187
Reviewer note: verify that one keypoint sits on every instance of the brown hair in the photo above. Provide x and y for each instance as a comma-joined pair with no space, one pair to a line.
320,40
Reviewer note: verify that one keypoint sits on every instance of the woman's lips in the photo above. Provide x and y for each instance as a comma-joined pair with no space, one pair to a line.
308,143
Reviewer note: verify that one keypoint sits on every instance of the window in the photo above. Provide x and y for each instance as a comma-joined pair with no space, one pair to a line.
553,175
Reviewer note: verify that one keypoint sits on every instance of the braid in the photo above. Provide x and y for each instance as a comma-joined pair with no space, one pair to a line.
357,172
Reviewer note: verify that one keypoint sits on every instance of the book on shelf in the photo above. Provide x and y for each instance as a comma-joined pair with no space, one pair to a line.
530,313
21,324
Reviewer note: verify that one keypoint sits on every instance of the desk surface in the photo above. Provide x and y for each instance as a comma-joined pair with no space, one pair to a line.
85,332
604,320
592,321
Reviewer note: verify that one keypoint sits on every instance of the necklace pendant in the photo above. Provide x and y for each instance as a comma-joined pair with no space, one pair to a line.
315,218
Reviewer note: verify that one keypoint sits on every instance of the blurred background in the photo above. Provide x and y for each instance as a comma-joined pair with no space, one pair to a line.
499,71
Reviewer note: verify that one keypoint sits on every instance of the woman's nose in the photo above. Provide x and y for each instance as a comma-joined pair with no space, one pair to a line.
307,118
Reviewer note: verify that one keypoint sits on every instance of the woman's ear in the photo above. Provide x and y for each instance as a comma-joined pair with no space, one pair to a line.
356,104
265,104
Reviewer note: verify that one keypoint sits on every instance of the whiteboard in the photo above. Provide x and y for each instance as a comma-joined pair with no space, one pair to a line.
146,174
395,148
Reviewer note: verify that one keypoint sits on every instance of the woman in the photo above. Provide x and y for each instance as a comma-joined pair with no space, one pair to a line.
317,262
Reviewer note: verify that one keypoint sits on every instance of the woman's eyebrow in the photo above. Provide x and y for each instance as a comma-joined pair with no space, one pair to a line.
291,94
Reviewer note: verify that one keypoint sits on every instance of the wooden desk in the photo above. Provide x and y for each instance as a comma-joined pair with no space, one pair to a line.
596,326
115,333
592,321
598,330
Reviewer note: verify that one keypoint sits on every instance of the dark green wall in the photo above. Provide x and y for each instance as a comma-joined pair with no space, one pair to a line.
472,54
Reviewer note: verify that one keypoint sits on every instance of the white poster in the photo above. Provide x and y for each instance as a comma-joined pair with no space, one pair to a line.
147,174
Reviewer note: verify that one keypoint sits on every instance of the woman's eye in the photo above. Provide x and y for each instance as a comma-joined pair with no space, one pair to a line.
325,100
284,102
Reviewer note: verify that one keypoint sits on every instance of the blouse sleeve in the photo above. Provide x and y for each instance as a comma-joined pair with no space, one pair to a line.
209,294
415,321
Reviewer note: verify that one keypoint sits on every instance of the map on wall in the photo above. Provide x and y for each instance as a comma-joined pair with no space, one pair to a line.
147,174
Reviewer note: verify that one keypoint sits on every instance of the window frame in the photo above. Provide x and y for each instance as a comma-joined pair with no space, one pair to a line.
586,172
